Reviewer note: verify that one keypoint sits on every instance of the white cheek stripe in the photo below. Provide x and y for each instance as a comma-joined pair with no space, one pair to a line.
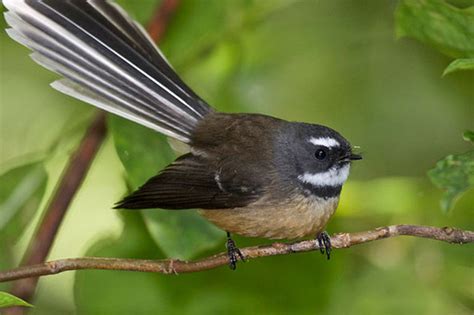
325,141
333,177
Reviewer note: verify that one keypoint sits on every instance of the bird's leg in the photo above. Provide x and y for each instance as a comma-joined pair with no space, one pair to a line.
324,243
233,252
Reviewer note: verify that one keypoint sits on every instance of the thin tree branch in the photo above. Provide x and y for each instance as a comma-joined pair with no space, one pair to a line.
74,174
161,18
173,266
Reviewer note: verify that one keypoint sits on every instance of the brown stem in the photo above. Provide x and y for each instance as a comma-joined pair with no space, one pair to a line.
172,266
73,176
161,18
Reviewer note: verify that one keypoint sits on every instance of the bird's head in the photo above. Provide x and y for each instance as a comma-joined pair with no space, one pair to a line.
318,158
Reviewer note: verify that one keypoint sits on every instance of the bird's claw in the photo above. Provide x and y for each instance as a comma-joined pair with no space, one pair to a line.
234,253
324,242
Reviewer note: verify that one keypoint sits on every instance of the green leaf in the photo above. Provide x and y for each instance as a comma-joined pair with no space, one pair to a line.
182,234
143,152
21,191
454,174
7,300
437,23
468,136
460,64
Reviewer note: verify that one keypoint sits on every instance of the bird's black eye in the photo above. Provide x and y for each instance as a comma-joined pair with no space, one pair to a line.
320,154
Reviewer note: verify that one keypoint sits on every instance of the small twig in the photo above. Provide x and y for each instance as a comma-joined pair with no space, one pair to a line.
172,266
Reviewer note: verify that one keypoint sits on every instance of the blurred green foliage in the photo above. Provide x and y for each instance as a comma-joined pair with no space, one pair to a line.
451,31
330,62
100,292
444,26
7,300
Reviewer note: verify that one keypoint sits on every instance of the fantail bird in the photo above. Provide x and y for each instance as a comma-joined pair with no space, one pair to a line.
250,174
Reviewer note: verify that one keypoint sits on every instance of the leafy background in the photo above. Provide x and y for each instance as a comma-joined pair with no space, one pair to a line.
332,62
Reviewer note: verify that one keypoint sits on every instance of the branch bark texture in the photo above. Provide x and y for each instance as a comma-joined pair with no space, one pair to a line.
172,266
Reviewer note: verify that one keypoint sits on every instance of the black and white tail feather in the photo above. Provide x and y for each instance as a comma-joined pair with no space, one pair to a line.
108,60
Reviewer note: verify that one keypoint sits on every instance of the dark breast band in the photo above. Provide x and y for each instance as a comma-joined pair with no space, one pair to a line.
321,191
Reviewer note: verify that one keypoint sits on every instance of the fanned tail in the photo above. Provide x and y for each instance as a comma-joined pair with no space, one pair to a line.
107,60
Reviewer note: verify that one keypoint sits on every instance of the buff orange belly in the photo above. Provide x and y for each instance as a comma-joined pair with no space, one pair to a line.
303,216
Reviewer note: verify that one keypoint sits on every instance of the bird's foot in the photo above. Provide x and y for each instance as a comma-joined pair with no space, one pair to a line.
233,252
324,242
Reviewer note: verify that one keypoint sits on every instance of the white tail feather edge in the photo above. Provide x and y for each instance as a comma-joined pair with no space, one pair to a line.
72,89
170,114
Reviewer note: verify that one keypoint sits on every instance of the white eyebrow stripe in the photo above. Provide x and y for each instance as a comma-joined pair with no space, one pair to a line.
325,141
333,177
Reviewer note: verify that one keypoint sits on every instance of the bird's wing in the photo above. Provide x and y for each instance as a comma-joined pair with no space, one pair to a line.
190,182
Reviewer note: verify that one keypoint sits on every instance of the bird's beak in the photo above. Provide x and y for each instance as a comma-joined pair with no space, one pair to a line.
355,157
350,157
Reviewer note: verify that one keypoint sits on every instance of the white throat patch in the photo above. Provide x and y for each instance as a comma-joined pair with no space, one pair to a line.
333,177
324,141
